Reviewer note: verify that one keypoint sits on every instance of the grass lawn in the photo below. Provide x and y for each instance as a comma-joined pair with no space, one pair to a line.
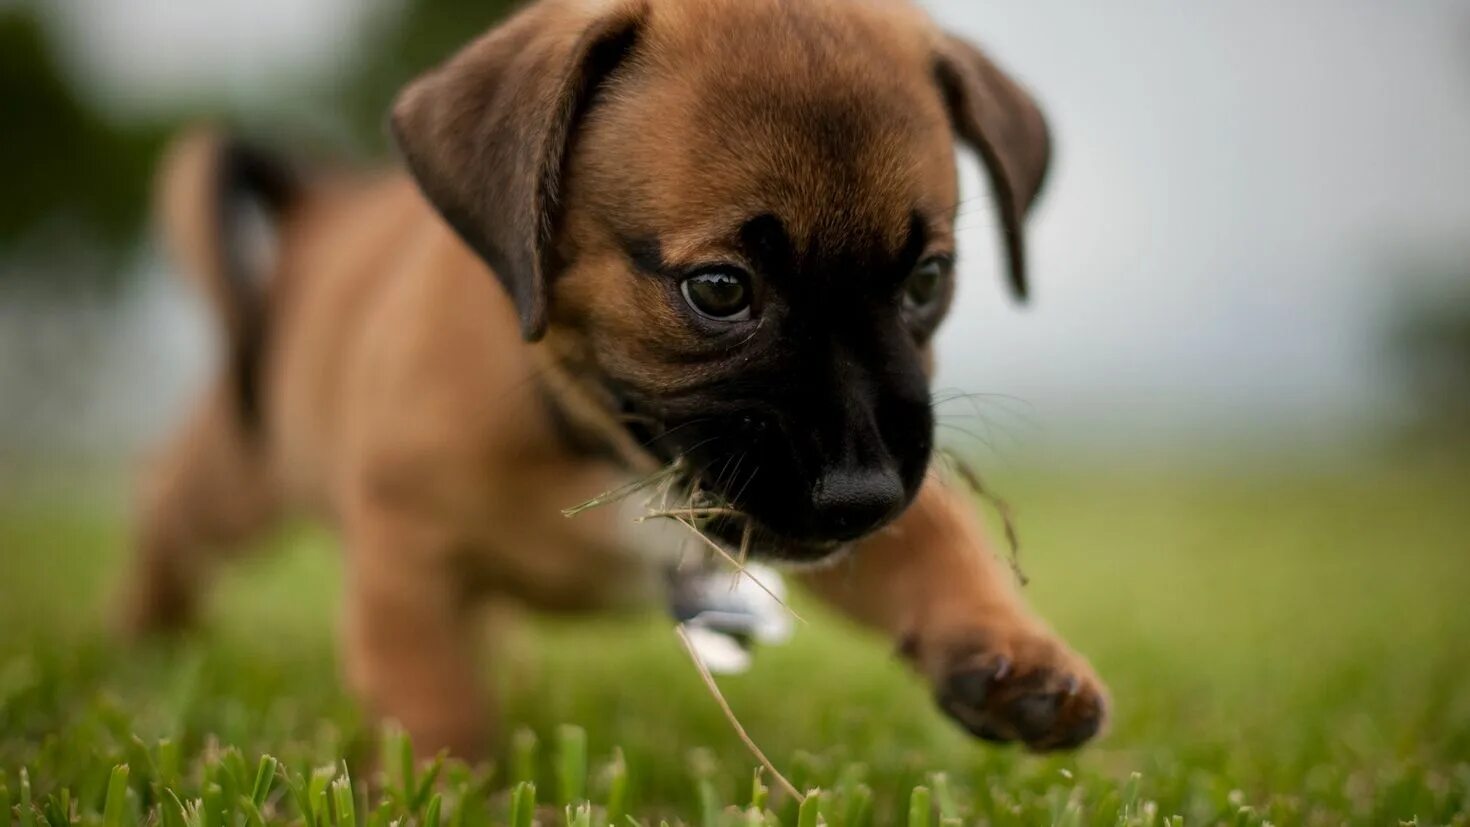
1283,649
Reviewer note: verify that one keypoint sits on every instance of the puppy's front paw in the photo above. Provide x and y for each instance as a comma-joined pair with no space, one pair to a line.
1022,686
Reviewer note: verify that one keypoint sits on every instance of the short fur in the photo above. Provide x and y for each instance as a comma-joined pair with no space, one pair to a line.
451,357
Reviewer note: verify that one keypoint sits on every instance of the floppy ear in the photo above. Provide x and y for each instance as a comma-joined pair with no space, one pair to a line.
486,135
1003,124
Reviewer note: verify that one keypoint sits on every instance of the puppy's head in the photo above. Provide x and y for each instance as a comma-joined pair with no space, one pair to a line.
735,220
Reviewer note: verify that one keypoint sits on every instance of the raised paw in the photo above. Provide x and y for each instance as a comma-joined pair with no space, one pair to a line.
1026,687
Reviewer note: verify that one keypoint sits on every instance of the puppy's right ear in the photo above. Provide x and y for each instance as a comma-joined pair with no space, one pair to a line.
486,134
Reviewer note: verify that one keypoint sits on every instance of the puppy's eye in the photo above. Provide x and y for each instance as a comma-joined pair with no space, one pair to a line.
925,284
722,295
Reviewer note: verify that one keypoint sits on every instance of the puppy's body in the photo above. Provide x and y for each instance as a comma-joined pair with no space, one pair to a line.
417,393
601,157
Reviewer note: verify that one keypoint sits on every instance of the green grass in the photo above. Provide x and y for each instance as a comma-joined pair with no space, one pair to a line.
1285,649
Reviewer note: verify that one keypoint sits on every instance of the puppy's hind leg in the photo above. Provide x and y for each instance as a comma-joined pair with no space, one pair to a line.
208,494
211,490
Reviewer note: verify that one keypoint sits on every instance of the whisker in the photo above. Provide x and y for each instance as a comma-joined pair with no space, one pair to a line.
983,440
674,430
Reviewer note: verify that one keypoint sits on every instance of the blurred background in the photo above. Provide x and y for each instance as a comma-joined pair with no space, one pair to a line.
1234,421
1254,248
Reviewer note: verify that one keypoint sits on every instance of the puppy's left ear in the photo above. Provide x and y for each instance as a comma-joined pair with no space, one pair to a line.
486,135
1001,122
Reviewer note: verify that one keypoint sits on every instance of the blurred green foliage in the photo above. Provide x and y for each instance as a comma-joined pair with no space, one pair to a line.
70,174
1292,643
1431,346
426,32
77,179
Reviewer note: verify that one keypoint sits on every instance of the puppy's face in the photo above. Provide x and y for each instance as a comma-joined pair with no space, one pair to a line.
749,244
761,249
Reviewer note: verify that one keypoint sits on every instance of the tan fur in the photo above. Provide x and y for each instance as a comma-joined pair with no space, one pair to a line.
403,404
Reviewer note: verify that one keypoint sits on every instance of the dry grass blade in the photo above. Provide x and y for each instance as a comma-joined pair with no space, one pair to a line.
739,567
685,515
691,513
744,557
714,689
971,478
622,492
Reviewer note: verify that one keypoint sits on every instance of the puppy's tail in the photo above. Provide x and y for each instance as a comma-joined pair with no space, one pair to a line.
220,205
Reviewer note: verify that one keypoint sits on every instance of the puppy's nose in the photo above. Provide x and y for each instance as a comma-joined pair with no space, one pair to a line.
848,503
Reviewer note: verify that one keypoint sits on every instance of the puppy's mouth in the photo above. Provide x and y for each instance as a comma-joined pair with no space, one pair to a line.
741,536
686,495
743,478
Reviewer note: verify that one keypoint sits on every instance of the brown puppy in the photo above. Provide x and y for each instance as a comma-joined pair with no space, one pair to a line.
636,232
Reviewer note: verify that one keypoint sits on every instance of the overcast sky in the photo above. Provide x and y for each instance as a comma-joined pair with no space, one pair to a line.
1242,190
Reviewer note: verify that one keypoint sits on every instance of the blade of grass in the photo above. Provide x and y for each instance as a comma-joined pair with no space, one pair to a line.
169,762
265,776
27,811
709,803
714,688
1129,801
944,797
920,807
171,810
624,491
301,794
967,473
857,810
342,800
571,764
397,756
462,804
213,805
115,808
579,816
759,793
57,809
323,806
811,804
427,782
523,805
617,788
234,775
316,791
523,756
253,818
738,566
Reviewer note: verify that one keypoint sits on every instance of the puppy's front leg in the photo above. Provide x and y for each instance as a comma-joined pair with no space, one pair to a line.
930,582
410,642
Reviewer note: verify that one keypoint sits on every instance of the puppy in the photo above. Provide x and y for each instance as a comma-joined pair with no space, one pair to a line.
716,234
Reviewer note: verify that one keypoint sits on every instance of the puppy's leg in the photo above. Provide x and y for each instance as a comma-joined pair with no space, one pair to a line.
930,582
410,630
209,493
